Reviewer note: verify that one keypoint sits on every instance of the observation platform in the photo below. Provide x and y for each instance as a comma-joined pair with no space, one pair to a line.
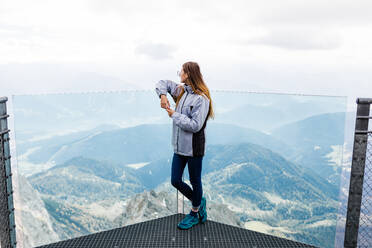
163,232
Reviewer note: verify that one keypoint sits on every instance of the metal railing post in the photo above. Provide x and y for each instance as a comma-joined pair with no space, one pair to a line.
357,172
7,220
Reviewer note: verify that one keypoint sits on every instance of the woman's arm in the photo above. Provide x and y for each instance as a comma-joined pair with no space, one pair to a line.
198,114
164,86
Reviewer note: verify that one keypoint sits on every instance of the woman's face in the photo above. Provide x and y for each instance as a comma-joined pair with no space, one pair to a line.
183,76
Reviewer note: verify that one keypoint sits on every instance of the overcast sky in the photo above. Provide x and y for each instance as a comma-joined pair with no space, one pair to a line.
308,47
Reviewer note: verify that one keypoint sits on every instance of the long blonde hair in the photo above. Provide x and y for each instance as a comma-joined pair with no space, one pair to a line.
195,80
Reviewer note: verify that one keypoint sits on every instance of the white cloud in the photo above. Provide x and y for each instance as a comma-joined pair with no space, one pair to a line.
155,50
313,47
298,39
317,12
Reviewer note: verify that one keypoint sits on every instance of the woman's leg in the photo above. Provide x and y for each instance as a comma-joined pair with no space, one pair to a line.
178,165
195,168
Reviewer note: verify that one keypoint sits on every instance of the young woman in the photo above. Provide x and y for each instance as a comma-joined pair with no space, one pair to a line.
193,109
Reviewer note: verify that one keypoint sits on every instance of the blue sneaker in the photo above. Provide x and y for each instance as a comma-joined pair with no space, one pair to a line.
188,222
203,210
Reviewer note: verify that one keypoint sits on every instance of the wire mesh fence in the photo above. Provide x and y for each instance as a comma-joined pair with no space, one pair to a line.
365,221
358,226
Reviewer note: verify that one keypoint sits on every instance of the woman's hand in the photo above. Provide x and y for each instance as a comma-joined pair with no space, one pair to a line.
170,111
164,103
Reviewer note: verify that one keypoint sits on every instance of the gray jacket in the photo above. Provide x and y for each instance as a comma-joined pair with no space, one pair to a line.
189,120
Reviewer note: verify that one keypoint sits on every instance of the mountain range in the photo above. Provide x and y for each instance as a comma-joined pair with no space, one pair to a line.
283,182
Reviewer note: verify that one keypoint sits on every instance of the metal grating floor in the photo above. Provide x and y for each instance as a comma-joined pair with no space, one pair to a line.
163,232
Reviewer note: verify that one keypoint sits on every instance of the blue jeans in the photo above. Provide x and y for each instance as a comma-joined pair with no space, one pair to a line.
195,167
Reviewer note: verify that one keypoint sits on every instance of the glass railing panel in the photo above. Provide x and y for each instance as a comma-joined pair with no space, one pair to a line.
90,162
96,161
273,164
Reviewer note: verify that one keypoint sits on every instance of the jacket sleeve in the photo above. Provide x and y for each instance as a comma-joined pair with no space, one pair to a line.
164,86
198,115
